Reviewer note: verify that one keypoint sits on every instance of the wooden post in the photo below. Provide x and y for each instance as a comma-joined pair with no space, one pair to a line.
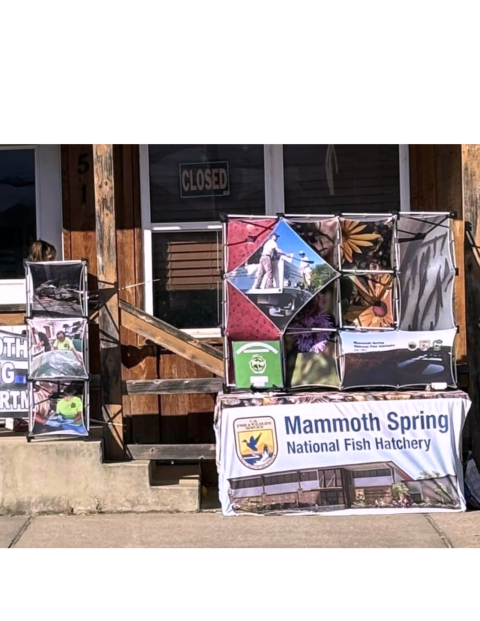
110,351
471,202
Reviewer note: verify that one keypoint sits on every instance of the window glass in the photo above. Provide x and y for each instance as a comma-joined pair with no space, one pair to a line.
332,497
196,183
17,210
308,476
186,273
348,178
367,474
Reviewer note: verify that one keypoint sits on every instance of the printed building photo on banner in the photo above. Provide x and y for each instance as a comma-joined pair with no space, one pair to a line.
377,485
57,348
58,408
368,301
367,243
282,275
56,289
322,236
426,272
13,371
397,359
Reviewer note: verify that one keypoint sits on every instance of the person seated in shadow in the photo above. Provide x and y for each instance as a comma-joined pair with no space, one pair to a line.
41,250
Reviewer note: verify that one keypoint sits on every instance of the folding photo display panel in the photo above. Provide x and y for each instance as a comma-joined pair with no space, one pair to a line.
426,272
397,359
321,235
59,408
311,342
368,301
57,289
57,348
243,237
322,311
367,243
281,275
311,359
383,277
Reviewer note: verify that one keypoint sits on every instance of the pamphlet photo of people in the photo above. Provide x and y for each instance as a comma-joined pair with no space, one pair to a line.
56,348
58,408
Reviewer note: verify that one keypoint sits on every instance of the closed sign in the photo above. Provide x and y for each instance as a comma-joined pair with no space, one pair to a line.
204,179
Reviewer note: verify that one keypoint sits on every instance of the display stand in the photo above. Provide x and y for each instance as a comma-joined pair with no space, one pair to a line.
58,365
345,302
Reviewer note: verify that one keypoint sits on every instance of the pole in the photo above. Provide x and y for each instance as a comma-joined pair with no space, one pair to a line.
108,318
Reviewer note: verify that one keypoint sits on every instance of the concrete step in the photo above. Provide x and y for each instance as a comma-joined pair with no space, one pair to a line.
71,477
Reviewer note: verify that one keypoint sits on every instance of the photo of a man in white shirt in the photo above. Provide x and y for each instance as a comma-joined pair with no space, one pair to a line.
270,249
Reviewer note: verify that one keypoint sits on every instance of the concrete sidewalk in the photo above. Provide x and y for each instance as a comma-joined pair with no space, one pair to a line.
212,530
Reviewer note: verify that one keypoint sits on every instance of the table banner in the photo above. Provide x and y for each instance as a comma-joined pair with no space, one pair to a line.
347,453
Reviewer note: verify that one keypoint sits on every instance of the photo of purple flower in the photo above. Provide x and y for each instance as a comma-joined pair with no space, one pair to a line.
312,342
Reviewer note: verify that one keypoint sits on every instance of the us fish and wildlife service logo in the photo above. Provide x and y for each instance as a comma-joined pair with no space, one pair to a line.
256,441
258,364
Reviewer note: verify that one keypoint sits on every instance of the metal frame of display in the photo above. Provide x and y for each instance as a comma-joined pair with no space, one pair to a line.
84,380
338,329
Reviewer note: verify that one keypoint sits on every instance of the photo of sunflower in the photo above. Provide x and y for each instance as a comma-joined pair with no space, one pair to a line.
366,245
367,301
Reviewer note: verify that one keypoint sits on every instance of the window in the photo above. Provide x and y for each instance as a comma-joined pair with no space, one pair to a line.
186,273
332,497
368,474
281,479
330,478
30,208
349,178
310,475
186,188
196,183
246,483
18,225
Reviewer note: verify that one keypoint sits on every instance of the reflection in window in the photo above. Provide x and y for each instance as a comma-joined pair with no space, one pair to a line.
186,273
322,179
17,210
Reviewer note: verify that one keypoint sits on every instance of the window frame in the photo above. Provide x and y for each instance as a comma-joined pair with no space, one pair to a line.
48,212
274,204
